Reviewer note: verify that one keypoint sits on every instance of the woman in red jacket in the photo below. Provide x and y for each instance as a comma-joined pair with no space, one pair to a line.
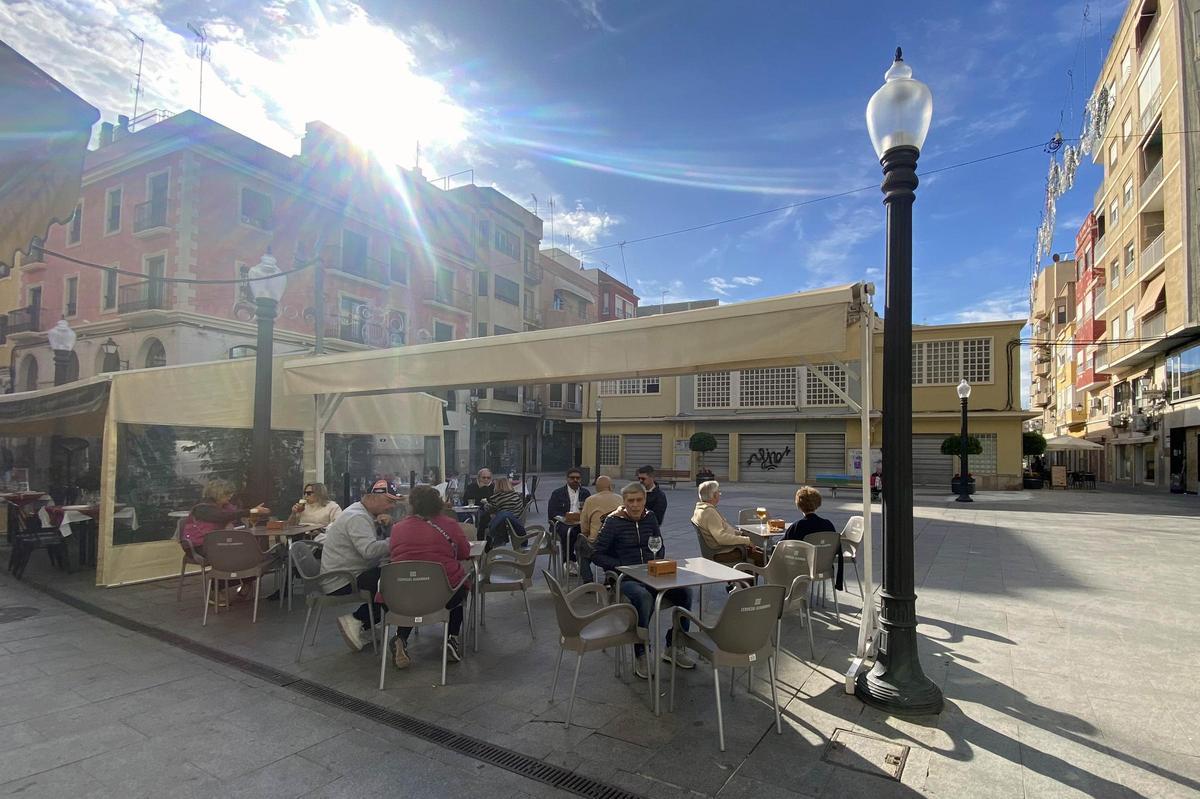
429,535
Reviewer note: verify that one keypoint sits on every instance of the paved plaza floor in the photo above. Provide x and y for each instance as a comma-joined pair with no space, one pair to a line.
1059,627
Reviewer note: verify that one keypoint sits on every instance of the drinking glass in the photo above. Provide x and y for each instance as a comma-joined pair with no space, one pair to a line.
762,515
655,544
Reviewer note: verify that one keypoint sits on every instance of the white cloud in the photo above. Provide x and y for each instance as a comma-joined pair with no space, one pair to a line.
584,226
998,306
589,12
747,280
653,292
723,287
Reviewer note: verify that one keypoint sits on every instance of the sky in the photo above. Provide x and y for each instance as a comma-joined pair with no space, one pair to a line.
638,119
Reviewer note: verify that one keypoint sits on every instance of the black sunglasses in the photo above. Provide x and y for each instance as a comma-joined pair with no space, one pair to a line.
308,493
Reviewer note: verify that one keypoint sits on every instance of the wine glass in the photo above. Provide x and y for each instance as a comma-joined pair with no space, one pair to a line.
762,515
655,544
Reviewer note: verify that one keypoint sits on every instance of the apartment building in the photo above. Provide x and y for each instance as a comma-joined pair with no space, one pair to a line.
615,299
1142,281
786,425
1052,311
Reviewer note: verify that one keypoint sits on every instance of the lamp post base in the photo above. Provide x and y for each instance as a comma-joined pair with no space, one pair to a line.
897,684
964,498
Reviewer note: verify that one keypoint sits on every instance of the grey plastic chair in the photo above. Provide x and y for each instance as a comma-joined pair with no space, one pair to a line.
607,626
738,639
707,551
790,568
852,536
505,570
748,516
416,593
234,555
827,546
308,568
190,558
549,545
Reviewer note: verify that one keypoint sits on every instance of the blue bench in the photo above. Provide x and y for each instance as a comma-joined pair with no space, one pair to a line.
835,481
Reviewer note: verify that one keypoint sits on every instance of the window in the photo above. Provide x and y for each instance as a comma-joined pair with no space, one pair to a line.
507,291
71,303
559,303
918,363
977,360
628,386
941,358
1127,127
354,253
1129,321
112,211
482,284
75,227
1116,330
946,362
485,234
442,331
529,303
110,289
508,244
771,387
1149,93
583,308
530,259
1078,360
1127,64
257,209
353,319
1127,192
397,329
498,330
156,354
604,299
1114,272
1060,314
506,393
712,390
816,392
444,286
481,329
1183,371
398,265
1112,155
1129,261
610,450
1114,213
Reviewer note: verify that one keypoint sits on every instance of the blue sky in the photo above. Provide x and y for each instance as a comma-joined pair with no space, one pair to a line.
640,118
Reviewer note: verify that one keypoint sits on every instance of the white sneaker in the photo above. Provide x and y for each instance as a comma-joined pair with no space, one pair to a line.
573,569
682,659
352,632
640,669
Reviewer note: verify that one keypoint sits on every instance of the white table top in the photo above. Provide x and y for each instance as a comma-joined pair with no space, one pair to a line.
179,514
690,571
761,530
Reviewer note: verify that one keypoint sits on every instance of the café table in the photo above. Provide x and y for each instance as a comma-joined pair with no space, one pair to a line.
762,535
470,511
475,558
286,533
690,572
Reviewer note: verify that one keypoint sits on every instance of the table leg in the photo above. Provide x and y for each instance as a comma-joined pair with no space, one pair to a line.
658,598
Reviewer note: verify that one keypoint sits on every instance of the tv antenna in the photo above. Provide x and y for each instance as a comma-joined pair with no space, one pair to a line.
202,54
137,91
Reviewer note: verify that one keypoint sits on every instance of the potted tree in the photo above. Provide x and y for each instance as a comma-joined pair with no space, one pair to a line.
1033,445
953,446
702,443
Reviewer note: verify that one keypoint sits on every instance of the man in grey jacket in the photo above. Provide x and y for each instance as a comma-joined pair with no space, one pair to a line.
352,547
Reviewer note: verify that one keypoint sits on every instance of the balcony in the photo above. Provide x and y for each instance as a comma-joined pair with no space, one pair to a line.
1152,255
147,295
36,259
1151,185
1041,399
1101,246
566,317
532,407
1042,368
1154,326
150,219
1075,415
1089,378
532,317
533,273
446,298
1153,106
25,320
365,268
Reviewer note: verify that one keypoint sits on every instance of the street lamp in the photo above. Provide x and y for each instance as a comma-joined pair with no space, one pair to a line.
599,408
964,487
62,342
898,118
267,284
112,356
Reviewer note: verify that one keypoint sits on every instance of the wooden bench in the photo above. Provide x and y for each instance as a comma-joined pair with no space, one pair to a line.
671,476
835,481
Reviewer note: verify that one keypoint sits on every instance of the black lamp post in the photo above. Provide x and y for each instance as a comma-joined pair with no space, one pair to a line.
599,407
964,484
62,343
267,293
898,118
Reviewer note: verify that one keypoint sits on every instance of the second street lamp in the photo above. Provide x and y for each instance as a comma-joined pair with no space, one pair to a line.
267,289
964,475
898,118
599,407
62,344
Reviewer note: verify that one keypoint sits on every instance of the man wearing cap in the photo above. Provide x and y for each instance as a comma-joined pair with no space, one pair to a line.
352,546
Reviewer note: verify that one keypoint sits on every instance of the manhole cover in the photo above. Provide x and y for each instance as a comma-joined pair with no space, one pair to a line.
863,753
16,613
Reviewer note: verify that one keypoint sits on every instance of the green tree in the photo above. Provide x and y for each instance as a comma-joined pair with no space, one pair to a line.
1033,443
702,443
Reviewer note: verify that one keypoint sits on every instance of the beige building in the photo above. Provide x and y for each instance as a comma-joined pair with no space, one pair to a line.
786,424
1051,317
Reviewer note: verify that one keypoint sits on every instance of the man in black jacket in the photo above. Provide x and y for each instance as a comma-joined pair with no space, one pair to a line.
623,541
564,500
483,487
656,499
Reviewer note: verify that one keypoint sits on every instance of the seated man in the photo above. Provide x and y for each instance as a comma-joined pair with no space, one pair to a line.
475,493
726,543
351,544
624,541
595,508
567,499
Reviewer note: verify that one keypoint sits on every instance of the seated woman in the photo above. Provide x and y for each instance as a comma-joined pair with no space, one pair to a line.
215,512
808,499
315,508
428,534
504,498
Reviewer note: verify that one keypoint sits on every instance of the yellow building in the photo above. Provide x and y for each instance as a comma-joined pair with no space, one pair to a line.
10,295
788,424
1053,312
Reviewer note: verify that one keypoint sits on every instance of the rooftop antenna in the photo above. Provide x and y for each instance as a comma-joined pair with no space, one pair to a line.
535,204
202,54
663,307
137,91
418,166
552,220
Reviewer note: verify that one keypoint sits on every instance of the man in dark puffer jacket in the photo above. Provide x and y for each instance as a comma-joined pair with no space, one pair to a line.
623,542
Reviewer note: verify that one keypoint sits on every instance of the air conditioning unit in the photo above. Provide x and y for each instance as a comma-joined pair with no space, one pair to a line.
1118,420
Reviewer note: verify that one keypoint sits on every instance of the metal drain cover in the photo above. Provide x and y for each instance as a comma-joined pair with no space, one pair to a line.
17,613
864,753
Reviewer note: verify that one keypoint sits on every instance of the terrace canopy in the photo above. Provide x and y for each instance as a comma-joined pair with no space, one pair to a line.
146,418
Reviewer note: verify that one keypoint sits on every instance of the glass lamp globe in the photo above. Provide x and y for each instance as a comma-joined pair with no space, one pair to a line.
899,113
61,336
276,281
109,347
964,389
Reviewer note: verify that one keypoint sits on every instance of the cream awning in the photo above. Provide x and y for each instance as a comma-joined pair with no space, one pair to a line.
1151,296
46,133
779,331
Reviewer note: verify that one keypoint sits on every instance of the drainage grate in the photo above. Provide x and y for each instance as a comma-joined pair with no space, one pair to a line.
17,613
507,759
866,754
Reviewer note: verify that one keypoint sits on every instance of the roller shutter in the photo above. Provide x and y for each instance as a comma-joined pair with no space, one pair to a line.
824,453
641,451
930,466
767,458
718,459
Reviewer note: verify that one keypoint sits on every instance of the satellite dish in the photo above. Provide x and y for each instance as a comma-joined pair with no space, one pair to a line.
424,336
